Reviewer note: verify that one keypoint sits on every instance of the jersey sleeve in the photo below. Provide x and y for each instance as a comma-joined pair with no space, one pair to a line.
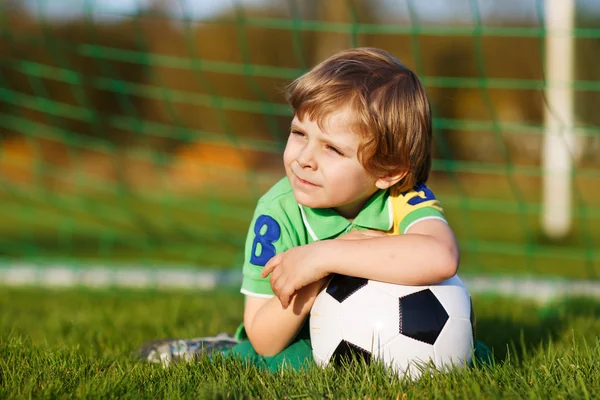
416,205
268,235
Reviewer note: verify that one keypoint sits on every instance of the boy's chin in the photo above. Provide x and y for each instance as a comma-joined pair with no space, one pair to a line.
310,203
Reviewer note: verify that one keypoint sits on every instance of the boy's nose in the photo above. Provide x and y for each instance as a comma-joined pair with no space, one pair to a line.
305,159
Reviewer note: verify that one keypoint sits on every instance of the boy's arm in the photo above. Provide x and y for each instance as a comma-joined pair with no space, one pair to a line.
270,327
427,253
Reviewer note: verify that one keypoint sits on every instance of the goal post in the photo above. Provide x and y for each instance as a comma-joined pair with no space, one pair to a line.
559,147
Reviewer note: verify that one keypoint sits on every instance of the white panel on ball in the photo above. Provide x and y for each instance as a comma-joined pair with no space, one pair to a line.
374,316
405,353
454,346
454,297
453,281
396,290
325,327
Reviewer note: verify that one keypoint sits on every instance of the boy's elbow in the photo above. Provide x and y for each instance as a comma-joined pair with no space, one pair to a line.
449,261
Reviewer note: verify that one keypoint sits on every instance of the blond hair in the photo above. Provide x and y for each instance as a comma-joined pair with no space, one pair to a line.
390,107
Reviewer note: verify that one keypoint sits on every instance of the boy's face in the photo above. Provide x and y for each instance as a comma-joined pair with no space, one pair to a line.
323,166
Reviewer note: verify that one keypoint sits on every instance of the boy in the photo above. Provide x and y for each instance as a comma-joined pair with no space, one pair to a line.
353,202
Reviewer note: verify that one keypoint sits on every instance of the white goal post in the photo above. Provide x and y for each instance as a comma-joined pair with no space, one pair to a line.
559,145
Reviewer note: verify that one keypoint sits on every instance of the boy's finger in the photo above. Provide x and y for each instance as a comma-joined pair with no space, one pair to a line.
285,301
275,285
269,267
363,234
282,300
370,232
286,297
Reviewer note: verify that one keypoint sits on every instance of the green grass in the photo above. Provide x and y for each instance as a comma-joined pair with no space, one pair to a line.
77,343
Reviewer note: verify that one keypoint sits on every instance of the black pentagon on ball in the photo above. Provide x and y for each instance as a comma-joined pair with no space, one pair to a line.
346,352
422,316
341,286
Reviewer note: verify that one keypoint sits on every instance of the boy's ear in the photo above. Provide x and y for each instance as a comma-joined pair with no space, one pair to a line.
390,180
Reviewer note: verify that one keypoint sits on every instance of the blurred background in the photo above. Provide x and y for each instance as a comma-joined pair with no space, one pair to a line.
137,135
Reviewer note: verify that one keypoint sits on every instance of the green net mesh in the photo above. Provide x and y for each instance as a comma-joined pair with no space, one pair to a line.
145,136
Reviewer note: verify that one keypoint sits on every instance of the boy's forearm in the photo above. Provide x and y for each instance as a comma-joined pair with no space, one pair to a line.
274,327
411,259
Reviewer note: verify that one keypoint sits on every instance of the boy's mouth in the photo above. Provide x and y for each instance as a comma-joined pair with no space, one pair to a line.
304,182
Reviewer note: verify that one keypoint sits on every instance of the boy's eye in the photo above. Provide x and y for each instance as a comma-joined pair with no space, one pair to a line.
298,133
335,150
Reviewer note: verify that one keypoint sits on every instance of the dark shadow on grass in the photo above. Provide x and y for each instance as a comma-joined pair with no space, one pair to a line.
504,334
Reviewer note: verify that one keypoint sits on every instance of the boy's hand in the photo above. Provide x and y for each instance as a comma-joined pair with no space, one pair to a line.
294,269
362,235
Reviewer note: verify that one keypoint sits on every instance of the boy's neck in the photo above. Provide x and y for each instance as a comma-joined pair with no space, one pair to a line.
350,211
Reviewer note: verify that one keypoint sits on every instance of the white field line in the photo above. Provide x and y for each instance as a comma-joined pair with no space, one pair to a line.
65,276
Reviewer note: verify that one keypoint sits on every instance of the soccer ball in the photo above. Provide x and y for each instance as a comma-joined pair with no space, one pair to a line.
403,326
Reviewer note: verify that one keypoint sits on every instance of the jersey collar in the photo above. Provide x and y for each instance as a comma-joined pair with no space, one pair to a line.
326,223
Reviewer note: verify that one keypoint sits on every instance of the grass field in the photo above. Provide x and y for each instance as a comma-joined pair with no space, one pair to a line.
77,343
